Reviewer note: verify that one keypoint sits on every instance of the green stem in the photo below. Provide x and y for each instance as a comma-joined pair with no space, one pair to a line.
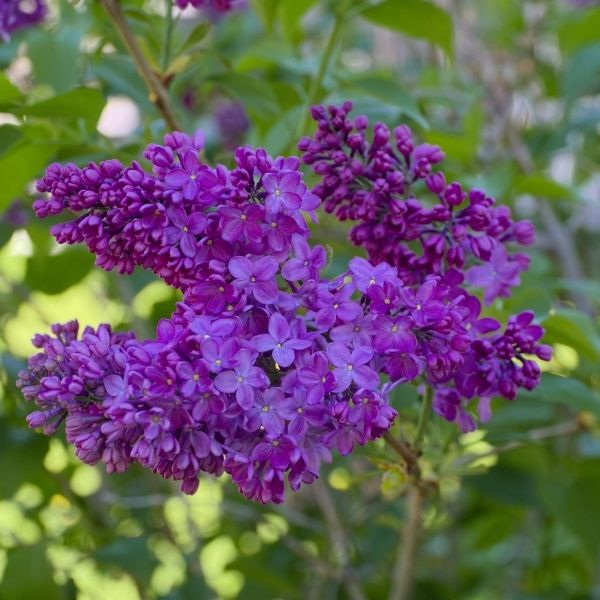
423,418
317,82
166,55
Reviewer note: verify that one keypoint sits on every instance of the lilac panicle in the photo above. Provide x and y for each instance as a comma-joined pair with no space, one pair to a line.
266,366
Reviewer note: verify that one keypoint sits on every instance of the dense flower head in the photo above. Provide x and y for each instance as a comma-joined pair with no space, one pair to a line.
267,366
16,14
407,214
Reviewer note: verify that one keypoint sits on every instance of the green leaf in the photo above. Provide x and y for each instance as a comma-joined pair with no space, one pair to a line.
9,135
28,575
290,14
80,103
538,184
196,36
55,274
581,30
568,392
55,58
580,74
573,329
415,18
24,163
389,91
267,11
254,93
8,92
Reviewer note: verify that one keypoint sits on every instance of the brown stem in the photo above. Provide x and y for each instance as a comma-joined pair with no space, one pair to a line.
158,94
404,567
411,459
338,539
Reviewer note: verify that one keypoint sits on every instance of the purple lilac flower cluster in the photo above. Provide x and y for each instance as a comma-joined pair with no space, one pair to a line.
459,238
16,14
266,366
373,182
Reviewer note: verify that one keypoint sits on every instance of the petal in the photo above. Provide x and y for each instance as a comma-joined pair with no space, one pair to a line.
232,231
273,423
263,342
338,354
226,382
196,223
265,268
279,328
245,396
240,267
284,357
300,247
295,270
257,378
188,245
343,379
365,377
177,178
361,355
190,190
190,162
177,216
265,292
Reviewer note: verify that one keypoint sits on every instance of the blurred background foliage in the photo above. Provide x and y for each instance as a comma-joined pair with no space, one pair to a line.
511,90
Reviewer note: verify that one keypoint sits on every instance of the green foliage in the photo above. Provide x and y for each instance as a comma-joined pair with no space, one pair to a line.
417,18
510,511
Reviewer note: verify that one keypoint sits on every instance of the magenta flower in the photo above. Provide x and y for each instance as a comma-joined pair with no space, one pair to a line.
317,378
216,294
219,356
193,377
496,276
280,341
184,229
393,334
359,333
209,328
242,380
246,223
364,274
191,178
425,308
307,261
257,277
352,366
280,228
268,413
284,191
277,451
335,305
301,415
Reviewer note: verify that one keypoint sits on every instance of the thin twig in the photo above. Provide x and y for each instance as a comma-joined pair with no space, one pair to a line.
404,567
406,452
535,435
338,539
158,94
403,573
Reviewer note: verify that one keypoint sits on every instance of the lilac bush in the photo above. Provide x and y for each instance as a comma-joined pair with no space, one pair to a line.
267,365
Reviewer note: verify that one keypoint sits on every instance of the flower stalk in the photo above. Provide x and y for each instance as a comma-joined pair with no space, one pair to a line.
158,93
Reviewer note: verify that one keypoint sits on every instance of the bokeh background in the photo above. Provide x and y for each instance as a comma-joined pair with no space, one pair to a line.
511,90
